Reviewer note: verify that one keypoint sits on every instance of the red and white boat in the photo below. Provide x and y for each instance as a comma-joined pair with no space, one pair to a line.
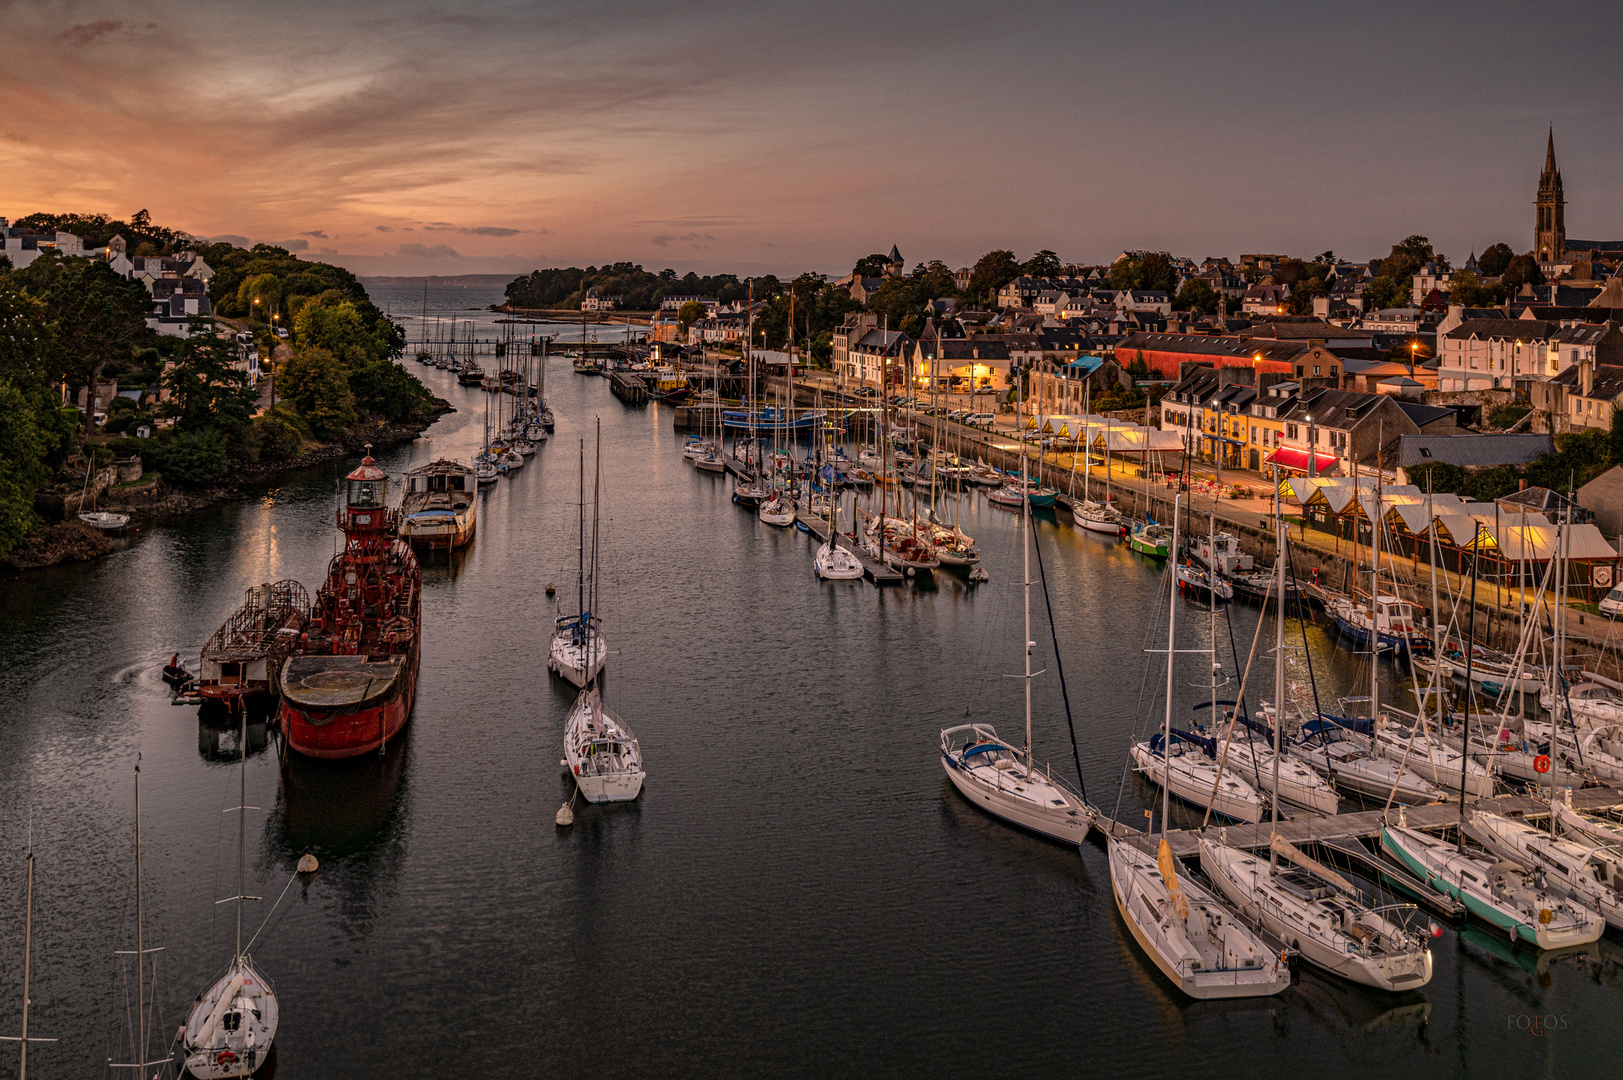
349,687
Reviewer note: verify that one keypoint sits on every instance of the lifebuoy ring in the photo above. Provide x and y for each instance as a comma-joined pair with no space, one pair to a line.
225,1057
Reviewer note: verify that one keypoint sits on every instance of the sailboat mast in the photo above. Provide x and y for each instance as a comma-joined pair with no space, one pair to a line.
28,958
1025,556
580,559
1166,726
140,946
1279,662
242,823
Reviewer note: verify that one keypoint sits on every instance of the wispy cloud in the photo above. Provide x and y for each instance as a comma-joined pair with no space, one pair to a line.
81,34
294,245
317,233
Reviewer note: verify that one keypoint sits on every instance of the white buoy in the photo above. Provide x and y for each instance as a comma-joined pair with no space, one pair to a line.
307,864
566,816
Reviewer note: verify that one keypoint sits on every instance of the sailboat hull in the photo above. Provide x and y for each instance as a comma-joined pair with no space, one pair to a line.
1070,826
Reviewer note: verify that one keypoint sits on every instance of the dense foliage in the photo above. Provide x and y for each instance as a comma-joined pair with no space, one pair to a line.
67,322
141,237
638,289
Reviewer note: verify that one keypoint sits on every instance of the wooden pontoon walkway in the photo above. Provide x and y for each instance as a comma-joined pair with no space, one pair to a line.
1311,828
875,571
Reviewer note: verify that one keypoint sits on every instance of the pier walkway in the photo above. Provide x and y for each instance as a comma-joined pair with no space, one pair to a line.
1308,829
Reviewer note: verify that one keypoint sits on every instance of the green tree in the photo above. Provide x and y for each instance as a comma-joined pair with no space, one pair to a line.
258,295
316,383
387,390
1493,261
871,265
1385,292
98,316
23,451
1043,264
206,391
991,272
1521,270
1196,295
1467,289
1156,272
195,457
688,314
1124,274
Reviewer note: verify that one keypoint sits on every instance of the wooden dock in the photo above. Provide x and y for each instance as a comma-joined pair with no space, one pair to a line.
875,571
1312,828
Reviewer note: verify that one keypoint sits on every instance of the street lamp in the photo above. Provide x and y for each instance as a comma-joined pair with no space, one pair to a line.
1413,345
1217,440
1312,448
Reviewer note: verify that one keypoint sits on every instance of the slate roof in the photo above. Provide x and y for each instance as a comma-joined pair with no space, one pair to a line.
1519,329
1472,451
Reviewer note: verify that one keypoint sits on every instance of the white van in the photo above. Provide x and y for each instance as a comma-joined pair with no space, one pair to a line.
1612,606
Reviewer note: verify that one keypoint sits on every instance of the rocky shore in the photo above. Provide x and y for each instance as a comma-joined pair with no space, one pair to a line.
71,540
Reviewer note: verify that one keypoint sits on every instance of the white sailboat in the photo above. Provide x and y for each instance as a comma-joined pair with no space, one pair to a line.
1005,781
601,752
1584,873
231,1025
1501,893
578,651
1186,931
1313,908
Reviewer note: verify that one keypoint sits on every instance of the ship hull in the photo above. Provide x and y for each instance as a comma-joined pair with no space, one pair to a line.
349,730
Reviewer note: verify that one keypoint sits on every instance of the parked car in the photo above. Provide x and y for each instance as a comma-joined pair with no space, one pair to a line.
865,391
957,414
979,419
1612,606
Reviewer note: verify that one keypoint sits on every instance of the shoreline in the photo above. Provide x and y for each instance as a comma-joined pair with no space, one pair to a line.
72,541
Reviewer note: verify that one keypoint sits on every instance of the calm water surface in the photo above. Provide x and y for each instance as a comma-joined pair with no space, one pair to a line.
799,891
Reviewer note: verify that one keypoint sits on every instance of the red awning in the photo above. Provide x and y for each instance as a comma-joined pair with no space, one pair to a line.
1289,457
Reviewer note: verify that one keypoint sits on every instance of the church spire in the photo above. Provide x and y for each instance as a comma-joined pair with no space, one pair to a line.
1550,228
1549,153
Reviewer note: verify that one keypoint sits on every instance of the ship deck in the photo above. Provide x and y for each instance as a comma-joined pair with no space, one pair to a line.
337,681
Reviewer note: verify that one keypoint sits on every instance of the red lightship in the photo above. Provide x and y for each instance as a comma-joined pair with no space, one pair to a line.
349,687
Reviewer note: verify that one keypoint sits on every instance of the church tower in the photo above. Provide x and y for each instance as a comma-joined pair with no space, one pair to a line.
1550,235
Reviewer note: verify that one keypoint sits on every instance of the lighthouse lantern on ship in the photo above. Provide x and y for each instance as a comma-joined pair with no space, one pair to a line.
349,688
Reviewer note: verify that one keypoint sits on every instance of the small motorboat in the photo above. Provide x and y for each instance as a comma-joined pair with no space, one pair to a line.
175,672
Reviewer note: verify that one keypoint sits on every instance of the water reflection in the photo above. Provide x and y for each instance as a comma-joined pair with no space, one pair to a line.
223,743
351,814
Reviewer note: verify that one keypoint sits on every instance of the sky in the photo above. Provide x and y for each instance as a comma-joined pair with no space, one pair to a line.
406,137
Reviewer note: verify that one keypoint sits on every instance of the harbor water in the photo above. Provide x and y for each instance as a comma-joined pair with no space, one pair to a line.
798,891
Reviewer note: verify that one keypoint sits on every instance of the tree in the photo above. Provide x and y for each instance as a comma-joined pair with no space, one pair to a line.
871,266
1466,289
1385,292
1124,274
23,451
1156,273
98,316
1043,264
387,390
206,391
195,457
1328,258
1521,270
991,272
1196,295
315,382
1493,261
688,314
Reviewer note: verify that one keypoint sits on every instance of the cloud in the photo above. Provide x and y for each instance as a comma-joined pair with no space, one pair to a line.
230,238
327,251
317,233
385,228
295,245
438,226
423,251
690,239
491,230
82,34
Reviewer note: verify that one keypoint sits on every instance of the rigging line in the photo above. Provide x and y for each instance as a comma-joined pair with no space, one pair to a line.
1059,665
1301,621
1138,709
